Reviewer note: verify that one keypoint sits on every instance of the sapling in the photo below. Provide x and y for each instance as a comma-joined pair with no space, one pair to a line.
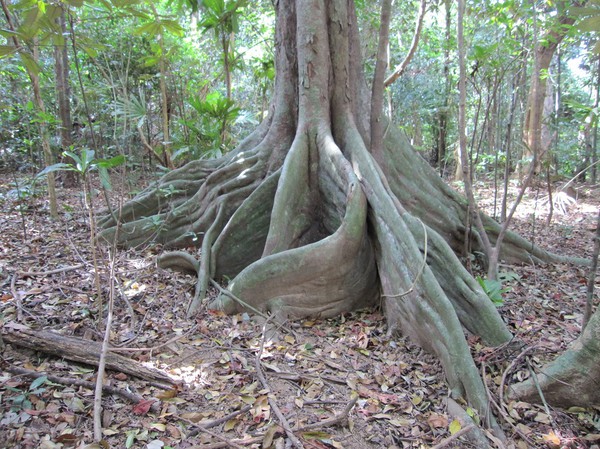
83,164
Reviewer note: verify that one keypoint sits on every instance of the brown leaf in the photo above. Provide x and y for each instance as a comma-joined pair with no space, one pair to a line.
142,407
437,421
68,439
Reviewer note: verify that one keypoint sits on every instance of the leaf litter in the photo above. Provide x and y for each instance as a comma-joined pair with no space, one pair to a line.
339,383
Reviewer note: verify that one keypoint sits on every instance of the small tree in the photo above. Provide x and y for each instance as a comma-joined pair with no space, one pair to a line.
83,165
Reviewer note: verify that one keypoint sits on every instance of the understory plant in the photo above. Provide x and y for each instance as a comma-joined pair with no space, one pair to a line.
83,165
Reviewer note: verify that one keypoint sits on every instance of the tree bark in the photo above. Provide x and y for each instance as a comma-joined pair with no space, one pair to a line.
544,50
304,221
34,78
80,350
573,378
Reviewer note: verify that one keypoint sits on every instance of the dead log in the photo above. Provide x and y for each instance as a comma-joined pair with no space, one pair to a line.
80,350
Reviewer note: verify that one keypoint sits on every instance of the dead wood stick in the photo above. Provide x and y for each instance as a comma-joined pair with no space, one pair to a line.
445,442
215,422
49,272
153,348
17,297
272,402
337,419
132,397
224,441
81,350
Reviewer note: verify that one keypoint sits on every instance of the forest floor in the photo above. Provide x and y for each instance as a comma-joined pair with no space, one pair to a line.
340,383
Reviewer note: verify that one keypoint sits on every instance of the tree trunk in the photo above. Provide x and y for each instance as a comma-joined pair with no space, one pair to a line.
573,378
63,96
533,129
304,221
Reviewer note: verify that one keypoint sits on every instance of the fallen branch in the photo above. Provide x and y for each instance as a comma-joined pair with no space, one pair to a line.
81,350
215,422
49,272
272,402
73,381
17,297
451,438
337,419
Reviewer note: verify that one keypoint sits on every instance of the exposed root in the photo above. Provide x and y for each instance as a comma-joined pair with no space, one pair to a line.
573,379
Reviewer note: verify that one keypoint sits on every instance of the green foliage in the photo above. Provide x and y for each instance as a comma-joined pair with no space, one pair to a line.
22,400
221,16
494,289
213,114
84,163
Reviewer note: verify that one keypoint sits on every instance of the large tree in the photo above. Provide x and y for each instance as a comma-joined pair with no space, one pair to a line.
306,223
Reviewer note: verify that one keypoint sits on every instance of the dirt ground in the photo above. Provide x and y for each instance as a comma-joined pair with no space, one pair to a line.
339,383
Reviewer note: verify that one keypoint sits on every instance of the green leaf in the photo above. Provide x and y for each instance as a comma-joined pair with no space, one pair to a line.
78,167
110,163
56,167
30,63
38,382
104,178
454,427
590,24
151,28
173,27
6,50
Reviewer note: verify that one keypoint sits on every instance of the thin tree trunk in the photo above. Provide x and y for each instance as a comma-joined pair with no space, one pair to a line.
399,70
378,84
592,276
39,103
544,49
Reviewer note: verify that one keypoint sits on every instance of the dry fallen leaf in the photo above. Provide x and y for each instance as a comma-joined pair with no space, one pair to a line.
552,440
142,407
437,421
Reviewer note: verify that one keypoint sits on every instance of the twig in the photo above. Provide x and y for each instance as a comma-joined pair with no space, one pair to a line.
153,348
509,369
501,408
135,398
106,340
539,390
215,422
328,422
17,297
49,272
592,277
445,442
272,402
224,441
238,300
103,352
337,419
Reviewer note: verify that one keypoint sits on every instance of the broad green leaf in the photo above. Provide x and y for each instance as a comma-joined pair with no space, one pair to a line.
78,162
6,50
38,382
151,28
56,167
590,24
104,178
584,11
30,63
173,27
110,163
